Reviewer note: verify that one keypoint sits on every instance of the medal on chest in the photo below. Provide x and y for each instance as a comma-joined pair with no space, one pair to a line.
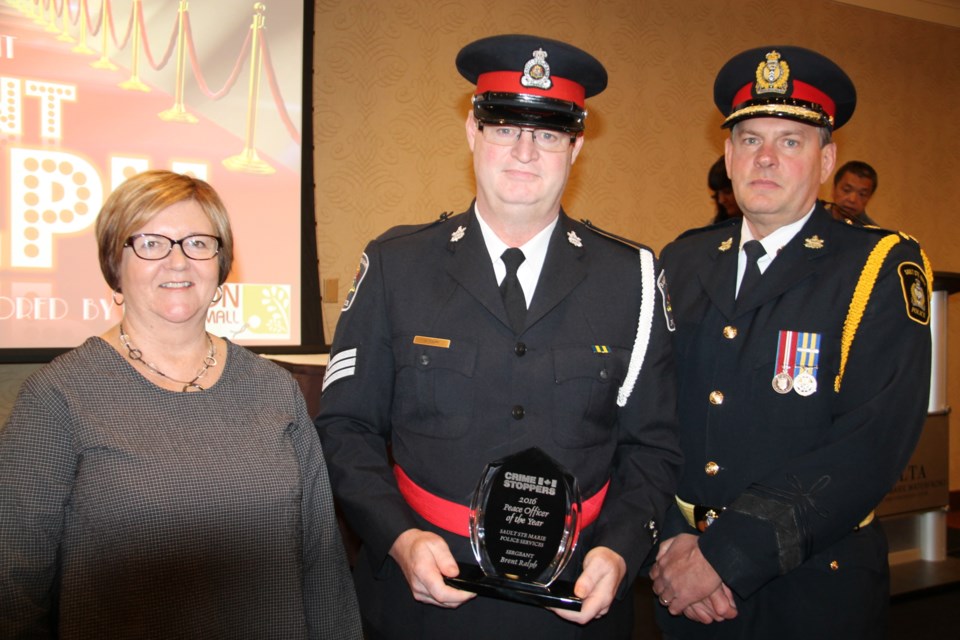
798,357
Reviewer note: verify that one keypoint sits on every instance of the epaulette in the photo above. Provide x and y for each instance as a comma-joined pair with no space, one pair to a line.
612,236
867,227
729,222
403,230
876,229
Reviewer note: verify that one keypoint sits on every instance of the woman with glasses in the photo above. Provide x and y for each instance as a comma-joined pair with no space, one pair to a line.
158,481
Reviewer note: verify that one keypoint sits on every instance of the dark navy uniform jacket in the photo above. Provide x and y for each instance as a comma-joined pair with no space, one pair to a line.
797,473
449,408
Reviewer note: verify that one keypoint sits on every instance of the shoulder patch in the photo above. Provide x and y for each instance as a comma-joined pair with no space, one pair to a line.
913,280
665,297
357,279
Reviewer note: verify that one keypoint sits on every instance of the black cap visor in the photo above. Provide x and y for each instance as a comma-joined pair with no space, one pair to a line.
526,110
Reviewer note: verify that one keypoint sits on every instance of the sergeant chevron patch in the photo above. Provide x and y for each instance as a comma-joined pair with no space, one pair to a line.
343,365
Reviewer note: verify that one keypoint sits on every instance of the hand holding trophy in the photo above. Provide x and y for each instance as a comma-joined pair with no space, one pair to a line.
524,521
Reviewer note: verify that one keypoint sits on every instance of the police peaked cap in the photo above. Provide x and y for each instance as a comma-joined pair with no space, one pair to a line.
531,81
784,82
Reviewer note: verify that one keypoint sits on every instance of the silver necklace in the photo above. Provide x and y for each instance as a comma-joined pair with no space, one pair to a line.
210,360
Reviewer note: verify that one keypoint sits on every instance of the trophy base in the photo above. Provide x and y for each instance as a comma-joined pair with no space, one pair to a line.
558,595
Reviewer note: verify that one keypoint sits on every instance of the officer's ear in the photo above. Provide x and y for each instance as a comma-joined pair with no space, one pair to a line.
828,160
471,126
577,144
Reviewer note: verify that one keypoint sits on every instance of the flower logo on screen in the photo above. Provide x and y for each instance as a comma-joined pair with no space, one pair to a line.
267,311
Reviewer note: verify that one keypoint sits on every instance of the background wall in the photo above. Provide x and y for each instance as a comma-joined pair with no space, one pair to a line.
390,108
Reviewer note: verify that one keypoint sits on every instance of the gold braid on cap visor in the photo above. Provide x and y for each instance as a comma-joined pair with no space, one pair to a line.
814,116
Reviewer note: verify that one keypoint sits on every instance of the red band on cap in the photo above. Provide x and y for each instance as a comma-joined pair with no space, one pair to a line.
509,82
801,91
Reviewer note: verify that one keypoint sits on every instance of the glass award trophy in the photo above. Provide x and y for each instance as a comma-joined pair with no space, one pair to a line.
523,530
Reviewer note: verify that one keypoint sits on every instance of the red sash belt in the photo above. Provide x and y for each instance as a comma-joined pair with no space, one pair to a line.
455,517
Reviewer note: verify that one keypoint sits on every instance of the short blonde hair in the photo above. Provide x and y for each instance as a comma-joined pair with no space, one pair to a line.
135,202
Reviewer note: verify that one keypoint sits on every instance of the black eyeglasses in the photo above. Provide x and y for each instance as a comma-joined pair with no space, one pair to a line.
153,246
507,135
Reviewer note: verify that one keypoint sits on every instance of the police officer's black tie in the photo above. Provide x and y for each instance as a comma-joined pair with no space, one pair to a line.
511,290
751,276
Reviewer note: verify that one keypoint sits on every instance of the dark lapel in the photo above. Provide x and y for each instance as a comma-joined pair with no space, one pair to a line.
471,267
563,269
718,275
795,262
470,264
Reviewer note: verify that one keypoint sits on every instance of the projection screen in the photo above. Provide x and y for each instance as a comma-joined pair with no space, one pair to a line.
93,91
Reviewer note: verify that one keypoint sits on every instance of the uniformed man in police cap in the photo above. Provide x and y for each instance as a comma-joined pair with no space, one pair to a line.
804,364
456,359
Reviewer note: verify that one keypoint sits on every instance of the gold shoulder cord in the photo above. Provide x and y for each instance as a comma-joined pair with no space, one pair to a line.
861,296
928,269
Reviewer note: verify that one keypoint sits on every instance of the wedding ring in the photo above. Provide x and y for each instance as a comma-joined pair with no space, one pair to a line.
665,603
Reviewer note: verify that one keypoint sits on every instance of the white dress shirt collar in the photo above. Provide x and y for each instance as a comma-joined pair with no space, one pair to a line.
534,251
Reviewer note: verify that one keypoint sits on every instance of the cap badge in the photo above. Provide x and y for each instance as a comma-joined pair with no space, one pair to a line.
574,239
536,73
813,242
772,75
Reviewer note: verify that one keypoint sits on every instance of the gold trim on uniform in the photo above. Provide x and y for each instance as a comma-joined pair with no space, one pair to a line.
813,242
861,295
726,244
689,512
441,343
806,113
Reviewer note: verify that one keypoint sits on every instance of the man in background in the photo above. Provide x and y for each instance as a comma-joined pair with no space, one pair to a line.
722,192
853,186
